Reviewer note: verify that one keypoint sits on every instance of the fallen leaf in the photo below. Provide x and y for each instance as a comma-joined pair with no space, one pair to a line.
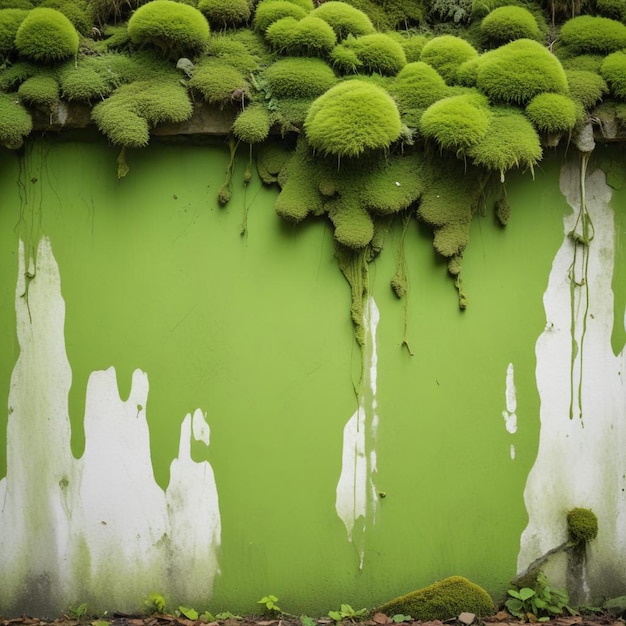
381,618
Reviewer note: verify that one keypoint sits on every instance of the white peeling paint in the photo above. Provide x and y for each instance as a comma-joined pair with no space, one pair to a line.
510,417
98,528
357,497
512,452
581,460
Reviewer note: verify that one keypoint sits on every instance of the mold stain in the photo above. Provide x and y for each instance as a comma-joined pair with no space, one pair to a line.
98,528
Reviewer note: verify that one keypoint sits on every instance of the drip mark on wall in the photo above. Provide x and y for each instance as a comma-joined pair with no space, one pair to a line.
509,415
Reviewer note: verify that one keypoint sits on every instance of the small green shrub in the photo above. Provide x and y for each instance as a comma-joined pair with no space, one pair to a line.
458,122
351,118
270,11
299,78
510,141
582,526
76,12
252,124
518,71
613,70
15,121
587,34
224,13
418,86
508,23
456,11
173,28
46,35
216,81
552,112
10,21
446,53
42,90
378,53
310,36
442,600
586,88
542,601
344,19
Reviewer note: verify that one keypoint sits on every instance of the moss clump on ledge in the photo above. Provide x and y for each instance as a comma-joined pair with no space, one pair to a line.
582,526
46,35
442,600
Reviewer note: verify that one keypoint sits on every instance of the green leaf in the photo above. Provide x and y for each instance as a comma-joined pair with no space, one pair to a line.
525,593
514,607
544,619
514,593
191,614
401,618
347,609
335,615
305,620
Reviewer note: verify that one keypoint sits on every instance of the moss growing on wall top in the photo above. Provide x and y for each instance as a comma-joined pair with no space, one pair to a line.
46,35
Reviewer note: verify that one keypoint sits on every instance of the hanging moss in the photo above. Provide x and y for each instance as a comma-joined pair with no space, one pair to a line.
46,35
503,210
354,226
175,29
552,113
446,53
354,266
216,81
344,19
299,78
271,157
41,90
225,13
15,122
252,124
10,21
518,71
582,526
270,11
586,88
588,35
352,117
310,36
507,23
613,70
442,600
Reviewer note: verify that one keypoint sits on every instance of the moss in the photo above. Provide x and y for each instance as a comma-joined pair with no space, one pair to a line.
354,226
588,35
271,157
413,47
503,210
307,5
42,90
351,118
582,526
446,53
76,12
311,36
418,86
584,62
378,53
216,80
518,71
252,124
480,8
442,600
552,113
224,13
46,35
13,75
227,48
613,70
10,21
344,19
354,266
15,121
586,88
345,60
510,141
391,14
93,78
25,5
456,123
270,11
507,23
173,28
613,9
299,78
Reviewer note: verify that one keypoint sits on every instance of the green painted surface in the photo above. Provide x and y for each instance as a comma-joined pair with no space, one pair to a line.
256,332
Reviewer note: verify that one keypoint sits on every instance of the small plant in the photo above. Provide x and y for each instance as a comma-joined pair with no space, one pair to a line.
539,603
271,604
78,612
347,612
305,620
155,603
224,615
189,613
398,618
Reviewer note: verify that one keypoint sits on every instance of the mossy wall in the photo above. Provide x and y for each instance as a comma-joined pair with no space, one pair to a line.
254,330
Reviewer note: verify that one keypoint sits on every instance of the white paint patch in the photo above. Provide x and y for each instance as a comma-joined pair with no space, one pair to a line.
98,528
581,460
512,452
510,417
357,498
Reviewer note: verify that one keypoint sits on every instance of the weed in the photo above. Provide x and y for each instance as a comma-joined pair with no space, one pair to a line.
189,613
270,603
399,618
78,612
155,603
538,604
347,612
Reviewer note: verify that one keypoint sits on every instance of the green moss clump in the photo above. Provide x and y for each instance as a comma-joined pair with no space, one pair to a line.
252,124
271,157
25,5
586,88
510,141
518,71
345,60
344,19
93,78
299,77
270,11
552,113
224,13
10,21
13,75
46,35
76,12
613,9
613,70
442,600
216,81
418,86
588,35
351,118
508,23
583,62
231,50
446,53
310,36
456,123
582,526
175,29
378,53
15,122
413,47
41,90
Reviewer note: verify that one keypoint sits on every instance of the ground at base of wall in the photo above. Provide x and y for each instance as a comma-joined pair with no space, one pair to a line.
501,618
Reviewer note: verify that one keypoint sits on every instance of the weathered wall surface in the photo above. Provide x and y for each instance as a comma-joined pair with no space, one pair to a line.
185,411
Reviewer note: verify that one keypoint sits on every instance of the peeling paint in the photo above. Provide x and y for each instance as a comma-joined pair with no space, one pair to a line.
357,497
580,463
98,527
510,417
